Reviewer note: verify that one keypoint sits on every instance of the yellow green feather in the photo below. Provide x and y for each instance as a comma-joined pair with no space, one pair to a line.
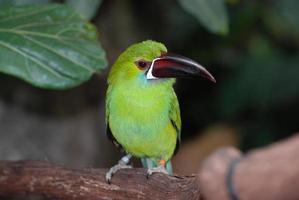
143,115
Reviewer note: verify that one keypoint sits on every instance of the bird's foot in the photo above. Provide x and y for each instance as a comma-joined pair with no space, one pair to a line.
122,164
159,169
114,169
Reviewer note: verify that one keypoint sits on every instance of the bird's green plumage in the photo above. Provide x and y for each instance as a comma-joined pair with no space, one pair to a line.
143,115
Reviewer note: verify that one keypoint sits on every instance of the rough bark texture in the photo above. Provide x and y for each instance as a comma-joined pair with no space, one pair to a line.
43,178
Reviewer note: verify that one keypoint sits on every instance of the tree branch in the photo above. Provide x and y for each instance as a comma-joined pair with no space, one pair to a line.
269,173
54,181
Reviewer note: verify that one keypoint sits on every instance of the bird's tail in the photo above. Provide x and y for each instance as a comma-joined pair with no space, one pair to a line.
149,163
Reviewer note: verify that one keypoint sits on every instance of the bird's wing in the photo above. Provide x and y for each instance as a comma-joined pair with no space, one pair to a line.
108,130
112,138
175,119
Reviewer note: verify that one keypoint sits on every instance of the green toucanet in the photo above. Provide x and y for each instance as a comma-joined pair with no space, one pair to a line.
142,110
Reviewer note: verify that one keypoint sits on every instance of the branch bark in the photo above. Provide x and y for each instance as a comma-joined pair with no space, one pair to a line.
54,181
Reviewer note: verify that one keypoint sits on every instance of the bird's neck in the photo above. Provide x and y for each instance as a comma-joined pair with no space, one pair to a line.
143,94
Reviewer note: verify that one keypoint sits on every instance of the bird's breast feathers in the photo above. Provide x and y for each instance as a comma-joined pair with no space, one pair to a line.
139,120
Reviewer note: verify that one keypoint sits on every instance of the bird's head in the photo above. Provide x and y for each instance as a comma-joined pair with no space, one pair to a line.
149,61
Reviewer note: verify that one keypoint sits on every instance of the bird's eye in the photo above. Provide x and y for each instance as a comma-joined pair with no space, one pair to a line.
142,64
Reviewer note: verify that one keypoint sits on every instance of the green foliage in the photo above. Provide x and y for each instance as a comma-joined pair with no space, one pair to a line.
262,83
87,8
265,78
256,64
23,2
283,19
211,14
49,46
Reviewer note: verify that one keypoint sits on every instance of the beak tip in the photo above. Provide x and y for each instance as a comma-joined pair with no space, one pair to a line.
209,76
213,79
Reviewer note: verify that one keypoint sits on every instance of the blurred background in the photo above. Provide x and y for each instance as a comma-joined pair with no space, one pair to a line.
254,103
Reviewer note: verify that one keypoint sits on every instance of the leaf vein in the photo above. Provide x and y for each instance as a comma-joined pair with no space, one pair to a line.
8,46
55,52
26,14
43,24
61,39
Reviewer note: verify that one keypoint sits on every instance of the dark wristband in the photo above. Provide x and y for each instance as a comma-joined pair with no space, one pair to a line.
231,190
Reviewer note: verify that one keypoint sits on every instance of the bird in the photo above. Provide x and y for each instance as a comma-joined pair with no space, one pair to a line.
142,109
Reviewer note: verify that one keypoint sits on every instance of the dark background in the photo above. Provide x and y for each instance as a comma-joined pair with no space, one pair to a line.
254,103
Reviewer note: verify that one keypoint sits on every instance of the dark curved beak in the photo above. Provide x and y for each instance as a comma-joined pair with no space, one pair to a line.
171,66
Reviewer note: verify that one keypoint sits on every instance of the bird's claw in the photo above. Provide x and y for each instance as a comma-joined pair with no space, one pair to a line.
159,169
114,169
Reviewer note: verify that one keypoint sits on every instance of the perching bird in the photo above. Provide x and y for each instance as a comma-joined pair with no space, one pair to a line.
142,110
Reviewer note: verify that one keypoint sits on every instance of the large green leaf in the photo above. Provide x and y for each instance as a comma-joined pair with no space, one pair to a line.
49,46
211,14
